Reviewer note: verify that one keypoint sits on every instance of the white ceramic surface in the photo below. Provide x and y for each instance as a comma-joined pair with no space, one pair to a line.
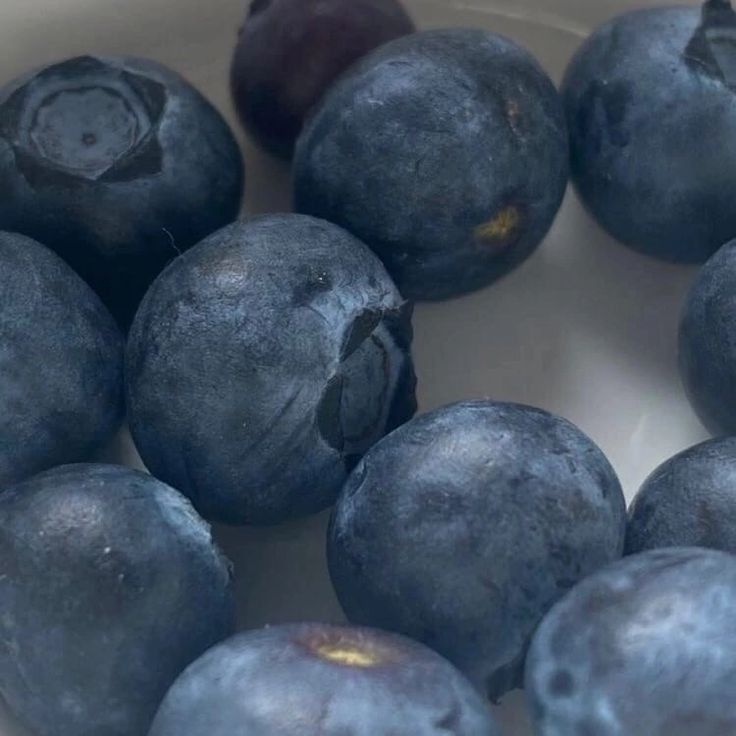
585,328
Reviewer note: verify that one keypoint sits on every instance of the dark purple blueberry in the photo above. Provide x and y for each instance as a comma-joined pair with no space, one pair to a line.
708,342
322,680
263,363
110,585
61,363
291,51
650,108
689,501
445,152
118,165
644,647
462,528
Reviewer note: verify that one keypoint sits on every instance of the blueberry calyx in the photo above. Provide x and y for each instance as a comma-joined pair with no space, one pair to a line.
363,326
115,140
349,418
712,48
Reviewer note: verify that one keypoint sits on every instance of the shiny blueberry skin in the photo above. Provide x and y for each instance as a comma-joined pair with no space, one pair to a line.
290,52
263,363
61,363
446,152
689,501
650,107
110,585
117,164
708,343
463,527
646,647
322,680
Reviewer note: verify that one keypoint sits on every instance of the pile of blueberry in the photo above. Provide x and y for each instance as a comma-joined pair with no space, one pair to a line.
265,369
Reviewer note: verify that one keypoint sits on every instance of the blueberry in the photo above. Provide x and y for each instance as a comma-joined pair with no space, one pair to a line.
110,585
650,107
263,363
463,527
689,501
61,363
446,152
290,51
322,680
708,342
645,647
117,165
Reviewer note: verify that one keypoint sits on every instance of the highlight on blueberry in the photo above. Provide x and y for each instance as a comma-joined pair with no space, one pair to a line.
263,363
61,363
110,585
646,646
290,52
463,527
707,342
649,101
322,680
446,152
117,164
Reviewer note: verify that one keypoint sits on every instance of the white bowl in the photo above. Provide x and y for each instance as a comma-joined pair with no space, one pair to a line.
586,328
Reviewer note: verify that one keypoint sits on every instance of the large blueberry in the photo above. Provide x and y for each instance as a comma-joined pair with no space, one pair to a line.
61,363
290,51
651,108
708,343
689,501
322,680
446,152
263,363
110,585
646,647
464,526
117,164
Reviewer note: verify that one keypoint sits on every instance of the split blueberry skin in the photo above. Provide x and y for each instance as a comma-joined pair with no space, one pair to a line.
118,165
707,343
61,363
263,363
463,527
110,585
646,646
650,106
689,501
289,52
446,152
322,680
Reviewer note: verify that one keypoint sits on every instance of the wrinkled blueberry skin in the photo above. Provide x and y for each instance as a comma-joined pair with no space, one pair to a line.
110,585
707,345
689,501
263,363
290,52
645,647
118,165
446,152
279,682
650,106
463,527
61,363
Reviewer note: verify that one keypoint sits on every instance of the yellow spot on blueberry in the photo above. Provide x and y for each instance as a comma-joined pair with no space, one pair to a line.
348,655
501,227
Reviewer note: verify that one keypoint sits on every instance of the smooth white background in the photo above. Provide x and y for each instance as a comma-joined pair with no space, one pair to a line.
586,328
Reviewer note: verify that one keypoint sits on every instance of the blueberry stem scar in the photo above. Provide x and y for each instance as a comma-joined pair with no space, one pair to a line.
349,655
